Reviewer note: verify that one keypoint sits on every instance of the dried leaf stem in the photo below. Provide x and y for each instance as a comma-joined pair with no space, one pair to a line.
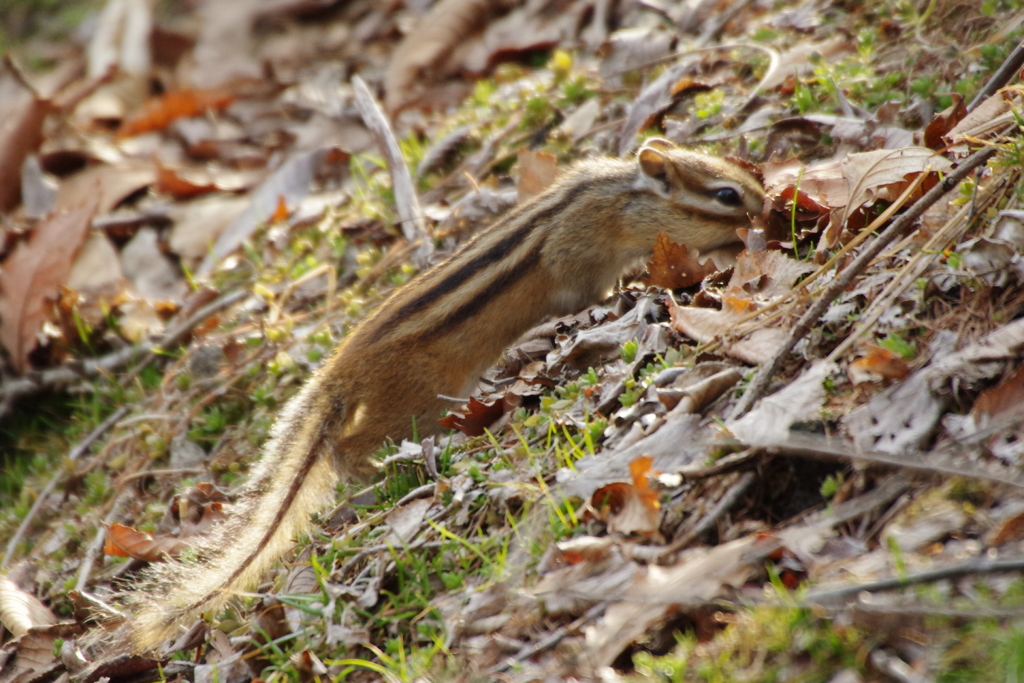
897,229
980,565
406,201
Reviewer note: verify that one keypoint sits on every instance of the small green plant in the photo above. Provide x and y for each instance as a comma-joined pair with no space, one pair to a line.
902,347
632,393
831,485
709,103
629,350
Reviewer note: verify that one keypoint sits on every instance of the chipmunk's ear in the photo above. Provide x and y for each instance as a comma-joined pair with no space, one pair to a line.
660,144
655,166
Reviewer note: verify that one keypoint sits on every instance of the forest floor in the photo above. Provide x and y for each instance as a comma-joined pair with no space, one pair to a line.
805,466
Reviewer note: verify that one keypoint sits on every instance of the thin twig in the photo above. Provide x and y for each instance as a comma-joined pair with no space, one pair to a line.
724,504
897,229
836,449
725,465
905,610
157,473
551,639
719,20
1007,70
980,565
75,453
96,547
19,76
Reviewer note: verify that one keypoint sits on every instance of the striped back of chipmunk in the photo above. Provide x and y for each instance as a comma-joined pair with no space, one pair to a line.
492,263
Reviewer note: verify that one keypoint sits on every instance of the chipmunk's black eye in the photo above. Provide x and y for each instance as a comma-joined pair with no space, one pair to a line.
727,196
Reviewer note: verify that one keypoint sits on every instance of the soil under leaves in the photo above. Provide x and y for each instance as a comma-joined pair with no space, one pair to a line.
198,203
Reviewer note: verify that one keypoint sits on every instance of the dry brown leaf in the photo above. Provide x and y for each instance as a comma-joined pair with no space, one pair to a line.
772,417
20,611
198,508
943,122
120,39
649,105
109,184
845,185
594,346
124,541
1005,397
678,443
282,212
476,418
1007,532
33,274
34,658
537,171
992,114
160,112
198,224
766,275
407,201
932,517
414,66
407,520
582,571
905,415
651,594
178,185
758,279
673,266
631,48
22,114
631,508
96,271
877,363
527,28
822,184
585,549
873,175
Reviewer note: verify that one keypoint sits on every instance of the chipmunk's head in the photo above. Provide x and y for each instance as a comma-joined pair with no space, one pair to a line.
699,200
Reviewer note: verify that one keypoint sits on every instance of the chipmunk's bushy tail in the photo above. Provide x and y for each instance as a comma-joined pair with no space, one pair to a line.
294,479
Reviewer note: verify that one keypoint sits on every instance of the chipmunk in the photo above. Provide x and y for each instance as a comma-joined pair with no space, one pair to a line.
433,338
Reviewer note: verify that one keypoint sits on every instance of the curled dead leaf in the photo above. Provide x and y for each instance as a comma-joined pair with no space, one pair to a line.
20,611
673,266
944,121
22,114
124,541
877,363
178,185
476,418
630,508
160,112
34,273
